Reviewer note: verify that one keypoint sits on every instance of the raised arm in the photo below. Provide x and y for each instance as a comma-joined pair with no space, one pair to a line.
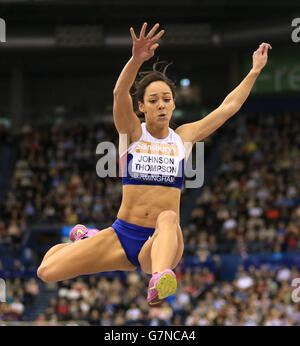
198,130
126,121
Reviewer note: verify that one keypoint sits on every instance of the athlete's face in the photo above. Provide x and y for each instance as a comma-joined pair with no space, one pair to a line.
158,103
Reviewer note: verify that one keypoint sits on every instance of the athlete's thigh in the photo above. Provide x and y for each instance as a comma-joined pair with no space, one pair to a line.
101,252
145,253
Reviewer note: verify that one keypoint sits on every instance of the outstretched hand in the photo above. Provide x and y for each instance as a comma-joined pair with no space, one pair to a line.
260,56
144,46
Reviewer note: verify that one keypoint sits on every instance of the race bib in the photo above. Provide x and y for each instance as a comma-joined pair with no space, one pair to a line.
155,159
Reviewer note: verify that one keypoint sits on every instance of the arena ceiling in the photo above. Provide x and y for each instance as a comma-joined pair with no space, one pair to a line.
241,21
57,28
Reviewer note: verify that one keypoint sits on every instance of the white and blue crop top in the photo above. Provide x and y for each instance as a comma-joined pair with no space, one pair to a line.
153,161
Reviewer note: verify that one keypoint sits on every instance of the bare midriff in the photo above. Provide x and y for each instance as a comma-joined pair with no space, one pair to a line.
141,204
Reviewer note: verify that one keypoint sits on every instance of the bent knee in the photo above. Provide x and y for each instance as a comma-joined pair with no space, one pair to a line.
43,274
167,216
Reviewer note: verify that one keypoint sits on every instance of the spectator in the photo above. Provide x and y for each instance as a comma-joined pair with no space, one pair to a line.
63,308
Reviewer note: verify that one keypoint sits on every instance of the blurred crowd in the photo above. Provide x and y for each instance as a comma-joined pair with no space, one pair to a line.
55,178
256,297
252,205
20,295
55,182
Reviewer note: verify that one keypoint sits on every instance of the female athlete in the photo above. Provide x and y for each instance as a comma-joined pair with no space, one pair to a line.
146,233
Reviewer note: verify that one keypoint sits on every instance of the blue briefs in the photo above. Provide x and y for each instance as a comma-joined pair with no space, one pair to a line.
132,238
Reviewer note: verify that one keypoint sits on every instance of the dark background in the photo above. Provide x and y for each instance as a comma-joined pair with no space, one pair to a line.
70,53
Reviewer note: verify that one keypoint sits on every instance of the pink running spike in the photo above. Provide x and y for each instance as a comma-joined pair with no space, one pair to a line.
79,231
161,286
